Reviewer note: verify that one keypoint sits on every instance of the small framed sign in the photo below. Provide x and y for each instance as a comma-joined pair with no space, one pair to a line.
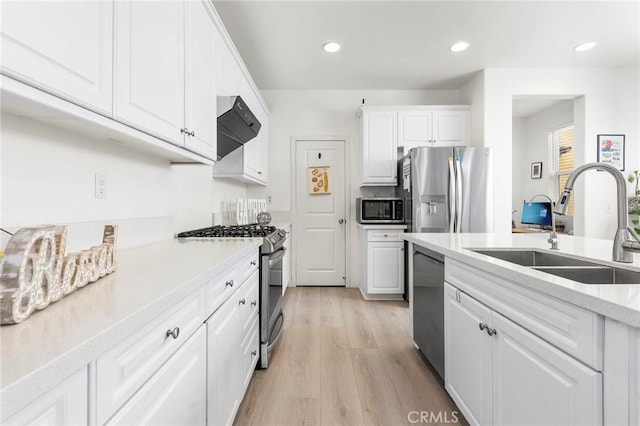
611,150
536,170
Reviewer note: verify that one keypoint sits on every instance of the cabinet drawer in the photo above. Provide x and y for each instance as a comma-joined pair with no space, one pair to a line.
385,235
125,368
229,279
176,394
574,330
248,300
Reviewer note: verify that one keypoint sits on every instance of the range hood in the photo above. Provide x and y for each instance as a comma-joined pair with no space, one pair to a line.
236,124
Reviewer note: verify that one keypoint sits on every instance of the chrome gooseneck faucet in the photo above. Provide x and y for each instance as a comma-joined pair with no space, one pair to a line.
622,245
553,237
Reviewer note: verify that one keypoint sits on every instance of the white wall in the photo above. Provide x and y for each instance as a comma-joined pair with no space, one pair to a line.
48,178
609,103
530,144
327,113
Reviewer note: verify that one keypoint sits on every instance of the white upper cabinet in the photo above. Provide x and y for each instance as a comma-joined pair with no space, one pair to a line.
445,126
149,67
200,100
379,147
64,48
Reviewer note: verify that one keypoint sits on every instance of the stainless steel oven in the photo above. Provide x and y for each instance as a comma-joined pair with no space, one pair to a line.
271,315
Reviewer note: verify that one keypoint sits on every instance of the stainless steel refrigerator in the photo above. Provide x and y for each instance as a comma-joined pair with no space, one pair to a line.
444,190
447,189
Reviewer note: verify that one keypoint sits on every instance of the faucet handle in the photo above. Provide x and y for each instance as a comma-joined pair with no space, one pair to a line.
633,234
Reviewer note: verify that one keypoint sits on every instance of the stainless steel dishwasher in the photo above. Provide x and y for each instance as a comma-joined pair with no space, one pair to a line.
428,306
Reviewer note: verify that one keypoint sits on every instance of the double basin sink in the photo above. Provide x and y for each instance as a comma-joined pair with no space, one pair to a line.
582,271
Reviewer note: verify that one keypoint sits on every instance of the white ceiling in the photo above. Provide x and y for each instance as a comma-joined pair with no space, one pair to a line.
405,44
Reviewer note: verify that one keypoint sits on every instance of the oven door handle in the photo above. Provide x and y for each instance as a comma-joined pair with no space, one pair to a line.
276,256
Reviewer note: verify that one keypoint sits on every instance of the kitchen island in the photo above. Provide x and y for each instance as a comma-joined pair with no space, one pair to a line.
524,345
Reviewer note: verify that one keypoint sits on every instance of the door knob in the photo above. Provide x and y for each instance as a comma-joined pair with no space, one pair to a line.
341,221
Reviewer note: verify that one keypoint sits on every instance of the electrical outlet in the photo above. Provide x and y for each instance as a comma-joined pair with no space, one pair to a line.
101,186
268,199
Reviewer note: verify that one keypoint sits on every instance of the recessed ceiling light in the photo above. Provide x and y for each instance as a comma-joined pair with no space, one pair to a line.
331,46
459,46
585,46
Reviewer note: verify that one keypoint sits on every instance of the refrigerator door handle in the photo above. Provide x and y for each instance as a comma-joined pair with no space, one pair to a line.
458,195
452,196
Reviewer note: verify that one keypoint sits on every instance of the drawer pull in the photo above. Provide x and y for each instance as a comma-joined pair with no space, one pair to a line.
482,326
254,353
229,283
253,263
242,302
254,303
491,331
173,333
386,235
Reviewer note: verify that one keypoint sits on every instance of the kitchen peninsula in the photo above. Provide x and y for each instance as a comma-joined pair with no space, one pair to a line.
515,335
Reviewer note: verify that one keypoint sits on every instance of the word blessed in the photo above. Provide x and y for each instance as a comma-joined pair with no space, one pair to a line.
441,417
35,271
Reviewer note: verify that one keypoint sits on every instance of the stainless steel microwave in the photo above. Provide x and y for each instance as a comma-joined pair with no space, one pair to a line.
380,210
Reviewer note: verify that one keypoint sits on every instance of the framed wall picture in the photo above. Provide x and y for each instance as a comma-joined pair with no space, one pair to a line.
611,150
536,170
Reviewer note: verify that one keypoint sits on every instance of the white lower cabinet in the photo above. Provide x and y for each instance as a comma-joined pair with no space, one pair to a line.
382,263
232,352
66,404
176,394
499,373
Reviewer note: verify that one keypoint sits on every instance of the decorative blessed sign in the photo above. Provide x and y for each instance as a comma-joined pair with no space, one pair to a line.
36,272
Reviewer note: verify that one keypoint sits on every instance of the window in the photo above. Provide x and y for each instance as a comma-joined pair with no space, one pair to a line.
561,160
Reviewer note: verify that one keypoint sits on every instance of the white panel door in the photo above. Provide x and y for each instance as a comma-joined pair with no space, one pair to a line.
200,92
450,128
379,148
64,48
534,383
66,404
468,355
320,235
149,67
385,261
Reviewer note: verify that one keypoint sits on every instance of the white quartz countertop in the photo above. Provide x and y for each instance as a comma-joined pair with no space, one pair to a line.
619,301
56,342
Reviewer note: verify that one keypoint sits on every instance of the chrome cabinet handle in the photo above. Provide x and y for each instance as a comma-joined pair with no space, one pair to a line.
254,303
491,331
482,326
183,130
173,333
259,172
192,133
242,302
229,283
253,263
254,353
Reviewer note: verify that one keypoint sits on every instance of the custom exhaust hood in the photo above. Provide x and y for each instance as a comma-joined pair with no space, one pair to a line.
236,124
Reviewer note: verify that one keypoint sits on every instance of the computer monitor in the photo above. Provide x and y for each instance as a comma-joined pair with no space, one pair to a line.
537,213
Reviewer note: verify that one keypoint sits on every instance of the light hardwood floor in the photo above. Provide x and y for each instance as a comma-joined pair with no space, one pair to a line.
344,361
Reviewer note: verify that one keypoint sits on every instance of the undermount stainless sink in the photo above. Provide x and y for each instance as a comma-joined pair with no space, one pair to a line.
582,271
533,257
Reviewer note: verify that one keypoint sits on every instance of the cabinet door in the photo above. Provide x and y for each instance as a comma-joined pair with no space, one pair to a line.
414,128
256,151
149,67
176,394
450,128
200,96
534,383
225,363
64,48
66,404
379,148
467,354
385,267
